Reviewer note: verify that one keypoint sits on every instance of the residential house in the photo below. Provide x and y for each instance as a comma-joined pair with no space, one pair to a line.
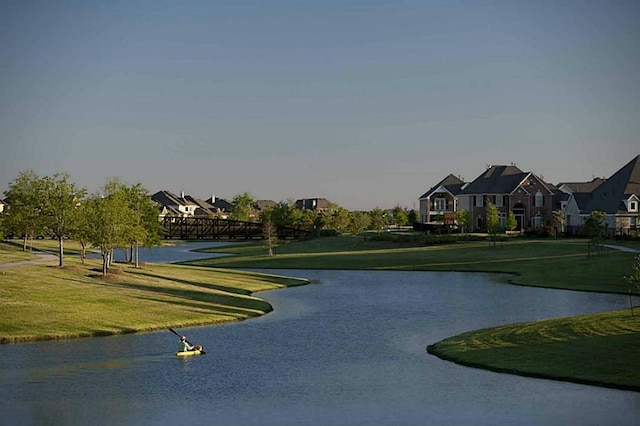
313,204
172,205
222,207
618,197
440,203
2,206
509,189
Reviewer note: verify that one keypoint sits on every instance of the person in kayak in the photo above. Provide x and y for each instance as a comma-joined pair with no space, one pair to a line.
184,346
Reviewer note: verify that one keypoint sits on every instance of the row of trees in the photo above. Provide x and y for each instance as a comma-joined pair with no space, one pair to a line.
124,216
119,216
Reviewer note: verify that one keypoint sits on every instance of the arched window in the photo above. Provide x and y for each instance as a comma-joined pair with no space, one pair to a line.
539,199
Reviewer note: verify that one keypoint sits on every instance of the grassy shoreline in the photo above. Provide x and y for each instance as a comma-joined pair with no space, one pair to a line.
192,293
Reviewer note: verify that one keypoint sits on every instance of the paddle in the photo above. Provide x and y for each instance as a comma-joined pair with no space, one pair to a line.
189,343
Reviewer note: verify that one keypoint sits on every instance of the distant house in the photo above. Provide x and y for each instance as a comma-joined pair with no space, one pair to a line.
618,197
509,189
2,206
313,204
222,207
440,203
174,206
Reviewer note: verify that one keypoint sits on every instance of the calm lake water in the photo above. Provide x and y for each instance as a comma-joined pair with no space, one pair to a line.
349,350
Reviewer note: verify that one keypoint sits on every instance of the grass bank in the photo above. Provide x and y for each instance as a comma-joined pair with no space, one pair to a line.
599,349
42,301
541,263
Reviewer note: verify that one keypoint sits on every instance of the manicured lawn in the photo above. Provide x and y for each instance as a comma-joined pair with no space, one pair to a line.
541,263
600,349
42,301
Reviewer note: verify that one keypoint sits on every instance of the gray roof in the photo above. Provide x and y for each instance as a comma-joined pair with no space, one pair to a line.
609,196
167,198
453,184
496,180
583,186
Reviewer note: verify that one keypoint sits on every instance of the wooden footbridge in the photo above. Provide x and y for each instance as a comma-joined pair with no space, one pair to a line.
204,228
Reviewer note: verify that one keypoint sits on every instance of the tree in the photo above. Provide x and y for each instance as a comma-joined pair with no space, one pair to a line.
284,213
412,216
243,207
24,216
60,201
146,227
511,221
463,219
634,280
109,221
269,230
358,222
399,216
493,222
338,219
593,230
378,219
558,220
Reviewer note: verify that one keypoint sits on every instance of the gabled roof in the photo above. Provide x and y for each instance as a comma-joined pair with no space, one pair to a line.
582,186
496,180
167,198
265,204
609,196
221,204
451,183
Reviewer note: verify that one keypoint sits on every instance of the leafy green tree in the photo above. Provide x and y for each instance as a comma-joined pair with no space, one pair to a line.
284,213
60,209
463,219
338,219
358,222
109,221
146,228
24,216
593,229
313,220
412,216
243,207
399,216
378,219
634,280
493,222
511,221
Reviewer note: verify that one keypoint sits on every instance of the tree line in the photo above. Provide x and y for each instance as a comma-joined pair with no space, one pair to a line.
120,215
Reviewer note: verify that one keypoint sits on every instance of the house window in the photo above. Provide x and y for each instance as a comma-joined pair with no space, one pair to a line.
539,199
503,219
499,201
479,201
633,206
439,204
536,221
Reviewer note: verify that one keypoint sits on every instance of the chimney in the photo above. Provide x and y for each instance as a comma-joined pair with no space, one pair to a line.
213,198
182,194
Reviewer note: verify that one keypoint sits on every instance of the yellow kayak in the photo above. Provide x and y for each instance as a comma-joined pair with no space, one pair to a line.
197,350
188,353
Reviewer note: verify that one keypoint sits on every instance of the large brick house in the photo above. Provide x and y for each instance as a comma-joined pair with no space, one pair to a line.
509,189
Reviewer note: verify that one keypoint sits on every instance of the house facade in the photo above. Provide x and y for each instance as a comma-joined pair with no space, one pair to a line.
510,190
318,204
440,203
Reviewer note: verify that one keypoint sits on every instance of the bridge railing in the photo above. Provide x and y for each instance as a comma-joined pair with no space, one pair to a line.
204,228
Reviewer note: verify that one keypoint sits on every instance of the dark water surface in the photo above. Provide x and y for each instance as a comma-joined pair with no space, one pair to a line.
349,350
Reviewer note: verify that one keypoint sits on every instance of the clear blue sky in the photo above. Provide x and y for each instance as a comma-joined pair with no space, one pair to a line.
367,103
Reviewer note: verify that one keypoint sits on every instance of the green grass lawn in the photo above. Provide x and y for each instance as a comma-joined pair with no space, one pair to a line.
541,263
42,301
